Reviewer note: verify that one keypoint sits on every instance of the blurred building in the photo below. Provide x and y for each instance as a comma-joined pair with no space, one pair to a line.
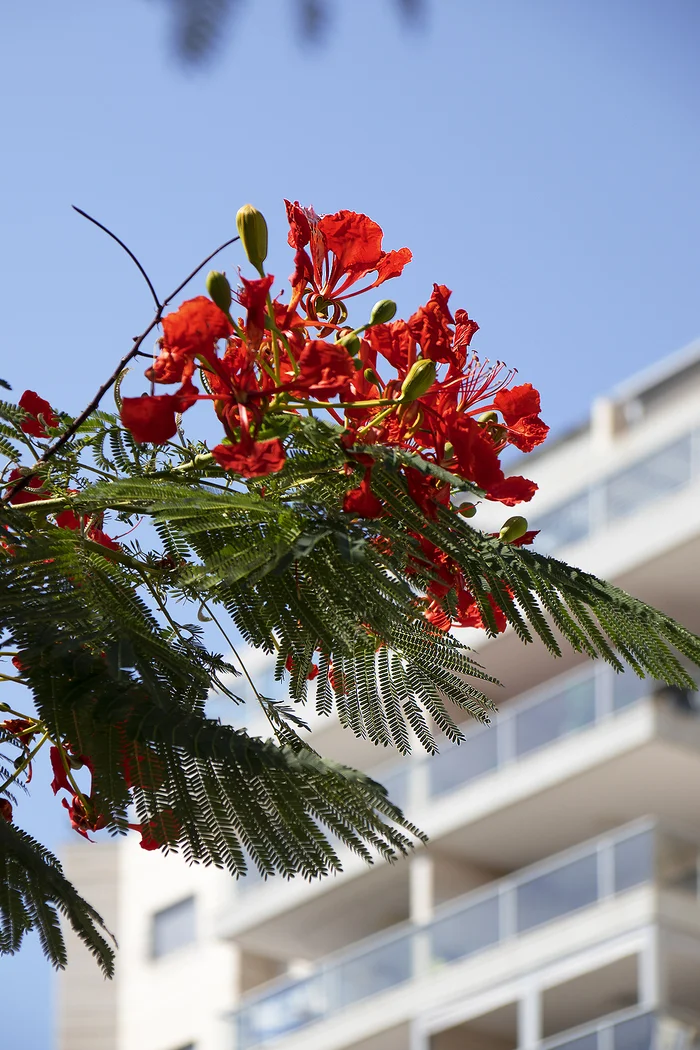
557,904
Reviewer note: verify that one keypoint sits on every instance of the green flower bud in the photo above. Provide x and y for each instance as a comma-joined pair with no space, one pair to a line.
449,452
371,377
488,417
382,312
351,342
513,528
467,509
219,290
419,380
252,230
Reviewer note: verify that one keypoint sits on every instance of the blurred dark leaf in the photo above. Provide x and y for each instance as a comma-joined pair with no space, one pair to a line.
201,26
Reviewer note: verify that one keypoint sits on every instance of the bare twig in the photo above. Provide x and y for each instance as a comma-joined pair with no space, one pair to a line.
128,251
22,483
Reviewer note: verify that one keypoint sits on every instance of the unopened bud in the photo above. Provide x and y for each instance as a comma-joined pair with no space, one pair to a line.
513,528
449,453
371,377
382,312
219,290
252,230
488,417
467,509
351,342
419,380
75,762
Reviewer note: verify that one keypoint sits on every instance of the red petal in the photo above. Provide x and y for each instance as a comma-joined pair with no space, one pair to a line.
517,402
36,406
263,457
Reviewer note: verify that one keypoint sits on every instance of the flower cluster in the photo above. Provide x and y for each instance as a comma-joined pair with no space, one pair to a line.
412,384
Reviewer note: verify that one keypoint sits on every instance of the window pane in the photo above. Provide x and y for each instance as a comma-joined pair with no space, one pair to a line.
383,967
558,892
457,765
634,861
566,524
584,1042
663,472
628,688
563,713
286,1010
635,1034
173,927
465,932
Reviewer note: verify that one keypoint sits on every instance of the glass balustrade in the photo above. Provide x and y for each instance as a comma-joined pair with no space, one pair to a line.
660,474
631,1030
567,706
561,886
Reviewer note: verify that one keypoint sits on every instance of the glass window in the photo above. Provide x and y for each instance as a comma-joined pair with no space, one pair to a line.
658,474
565,712
173,928
381,968
556,893
584,1042
635,1034
634,860
459,764
465,932
628,688
566,524
282,1012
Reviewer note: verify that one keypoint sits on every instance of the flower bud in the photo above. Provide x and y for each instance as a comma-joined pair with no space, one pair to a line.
219,290
370,376
252,230
449,453
488,417
382,312
419,380
467,509
351,342
513,528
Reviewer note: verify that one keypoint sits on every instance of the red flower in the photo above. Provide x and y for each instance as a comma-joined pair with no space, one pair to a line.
68,519
152,418
80,821
252,460
163,830
436,615
36,406
325,369
520,407
33,491
253,297
191,331
6,810
19,727
469,614
344,248
396,343
362,501
429,326
60,776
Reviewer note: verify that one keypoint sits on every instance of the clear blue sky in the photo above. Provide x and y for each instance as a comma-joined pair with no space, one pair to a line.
540,157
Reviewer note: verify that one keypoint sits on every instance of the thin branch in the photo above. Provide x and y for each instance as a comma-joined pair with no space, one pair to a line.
128,251
22,483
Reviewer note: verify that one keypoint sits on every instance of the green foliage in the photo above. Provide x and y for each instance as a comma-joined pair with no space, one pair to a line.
118,673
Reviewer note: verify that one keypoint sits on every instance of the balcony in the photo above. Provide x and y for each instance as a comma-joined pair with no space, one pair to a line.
631,1030
573,883
590,733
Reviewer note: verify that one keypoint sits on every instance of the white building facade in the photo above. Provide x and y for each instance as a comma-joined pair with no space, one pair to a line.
557,904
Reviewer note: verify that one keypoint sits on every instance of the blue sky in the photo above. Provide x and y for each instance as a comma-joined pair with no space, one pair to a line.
539,157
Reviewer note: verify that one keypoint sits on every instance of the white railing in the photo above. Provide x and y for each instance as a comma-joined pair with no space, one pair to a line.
565,705
562,885
632,1029
658,475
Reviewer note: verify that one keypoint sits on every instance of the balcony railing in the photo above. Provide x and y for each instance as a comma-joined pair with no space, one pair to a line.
564,706
485,918
633,1029
657,476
